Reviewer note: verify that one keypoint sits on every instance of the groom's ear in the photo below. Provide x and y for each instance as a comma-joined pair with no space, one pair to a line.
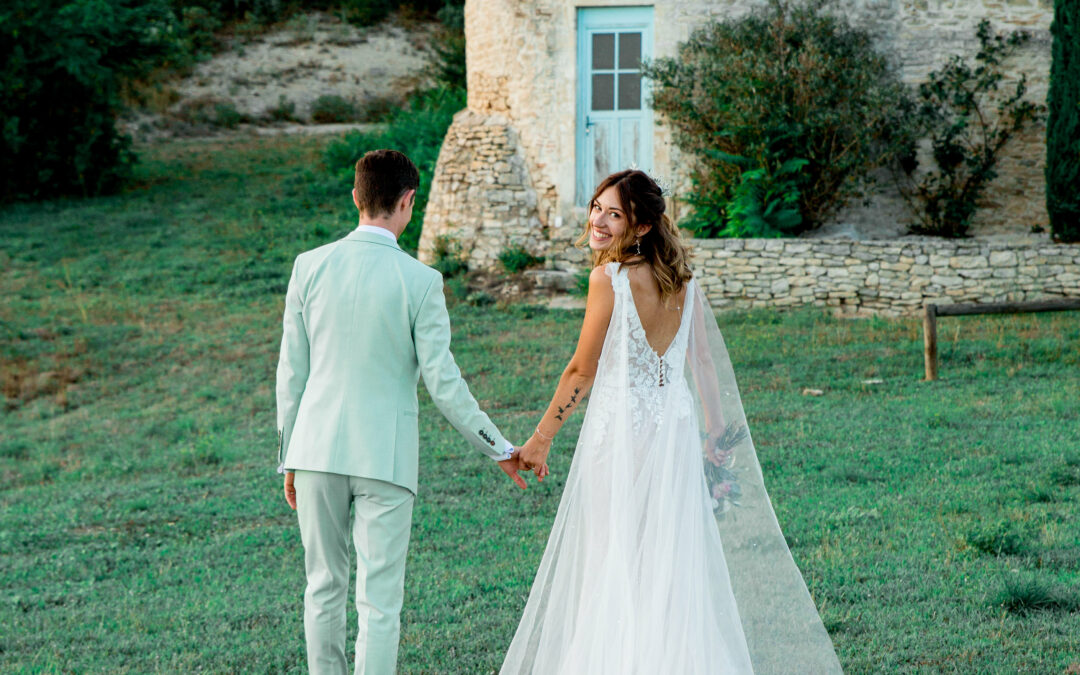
356,198
407,200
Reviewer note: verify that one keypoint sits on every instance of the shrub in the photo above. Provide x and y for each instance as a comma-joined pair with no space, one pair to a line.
62,70
253,11
200,28
226,115
416,130
210,111
965,138
448,68
783,83
331,108
369,12
284,111
377,108
448,257
1063,125
515,258
765,204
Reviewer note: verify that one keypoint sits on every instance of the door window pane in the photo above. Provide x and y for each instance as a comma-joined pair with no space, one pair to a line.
603,51
629,91
630,50
603,92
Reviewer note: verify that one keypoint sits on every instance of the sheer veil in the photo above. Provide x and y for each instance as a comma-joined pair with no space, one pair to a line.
783,630
645,572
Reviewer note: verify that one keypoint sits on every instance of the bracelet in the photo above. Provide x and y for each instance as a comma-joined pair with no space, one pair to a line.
541,435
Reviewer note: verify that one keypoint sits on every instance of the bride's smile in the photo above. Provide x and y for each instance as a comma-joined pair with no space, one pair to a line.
607,221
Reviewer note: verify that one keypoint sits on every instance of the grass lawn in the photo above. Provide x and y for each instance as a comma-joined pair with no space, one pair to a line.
142,527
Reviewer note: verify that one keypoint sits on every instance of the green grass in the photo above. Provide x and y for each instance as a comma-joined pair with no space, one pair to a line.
142,527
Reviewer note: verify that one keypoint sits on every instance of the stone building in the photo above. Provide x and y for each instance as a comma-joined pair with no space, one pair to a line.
555,101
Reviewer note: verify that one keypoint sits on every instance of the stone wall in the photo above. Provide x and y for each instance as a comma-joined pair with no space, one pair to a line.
482,194
883,277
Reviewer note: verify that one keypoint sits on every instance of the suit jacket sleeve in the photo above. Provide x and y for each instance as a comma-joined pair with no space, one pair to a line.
293,366
431,335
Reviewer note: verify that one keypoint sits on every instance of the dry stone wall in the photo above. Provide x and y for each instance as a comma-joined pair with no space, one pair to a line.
482,195
883,277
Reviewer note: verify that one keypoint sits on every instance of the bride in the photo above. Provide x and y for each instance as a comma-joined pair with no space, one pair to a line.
665,555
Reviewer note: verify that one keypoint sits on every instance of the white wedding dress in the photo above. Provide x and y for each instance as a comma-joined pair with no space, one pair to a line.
635,578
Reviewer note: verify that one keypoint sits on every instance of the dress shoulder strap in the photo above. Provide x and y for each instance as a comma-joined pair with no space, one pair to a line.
618,274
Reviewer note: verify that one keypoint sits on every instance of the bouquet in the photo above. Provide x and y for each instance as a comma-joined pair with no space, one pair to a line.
720,467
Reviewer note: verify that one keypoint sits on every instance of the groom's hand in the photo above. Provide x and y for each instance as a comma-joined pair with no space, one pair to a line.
511,467
290,491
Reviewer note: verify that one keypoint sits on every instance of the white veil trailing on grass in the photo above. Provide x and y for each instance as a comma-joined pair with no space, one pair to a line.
783,630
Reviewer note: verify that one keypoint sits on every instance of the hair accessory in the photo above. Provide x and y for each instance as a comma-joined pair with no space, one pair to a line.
665,186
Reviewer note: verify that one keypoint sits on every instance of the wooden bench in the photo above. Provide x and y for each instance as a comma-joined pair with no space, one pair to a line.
934,311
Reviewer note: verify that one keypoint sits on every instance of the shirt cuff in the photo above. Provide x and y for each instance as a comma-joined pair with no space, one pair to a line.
508,452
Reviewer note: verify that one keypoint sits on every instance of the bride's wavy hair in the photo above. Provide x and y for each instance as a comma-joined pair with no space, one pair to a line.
661,247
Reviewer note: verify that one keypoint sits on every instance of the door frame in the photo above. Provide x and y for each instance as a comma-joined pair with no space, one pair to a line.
597,20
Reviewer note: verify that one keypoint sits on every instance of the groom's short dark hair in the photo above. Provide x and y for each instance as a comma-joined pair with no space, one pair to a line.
382,176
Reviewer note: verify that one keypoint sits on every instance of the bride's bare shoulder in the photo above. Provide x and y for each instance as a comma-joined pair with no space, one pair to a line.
600,277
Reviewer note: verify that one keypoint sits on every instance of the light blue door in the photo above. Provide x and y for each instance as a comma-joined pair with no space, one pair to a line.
614,125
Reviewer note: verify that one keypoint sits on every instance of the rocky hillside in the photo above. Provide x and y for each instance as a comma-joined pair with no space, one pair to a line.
313,72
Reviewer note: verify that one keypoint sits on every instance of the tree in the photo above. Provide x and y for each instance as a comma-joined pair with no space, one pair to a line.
63,66
1063,124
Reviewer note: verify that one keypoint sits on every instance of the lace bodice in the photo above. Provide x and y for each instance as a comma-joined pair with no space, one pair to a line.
652,378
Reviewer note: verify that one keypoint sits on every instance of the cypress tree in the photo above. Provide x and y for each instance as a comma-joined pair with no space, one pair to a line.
1063,124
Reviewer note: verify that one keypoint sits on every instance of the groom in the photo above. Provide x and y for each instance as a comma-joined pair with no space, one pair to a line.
363,321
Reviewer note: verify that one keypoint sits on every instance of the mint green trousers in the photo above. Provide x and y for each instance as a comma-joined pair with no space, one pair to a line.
381,519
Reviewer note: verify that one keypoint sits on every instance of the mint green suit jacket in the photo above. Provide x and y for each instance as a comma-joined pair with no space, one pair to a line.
363,322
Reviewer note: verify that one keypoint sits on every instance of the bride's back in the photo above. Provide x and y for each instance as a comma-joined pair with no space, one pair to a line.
661,322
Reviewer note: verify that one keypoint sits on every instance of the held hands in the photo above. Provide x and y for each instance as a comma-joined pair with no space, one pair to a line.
533,456
511,467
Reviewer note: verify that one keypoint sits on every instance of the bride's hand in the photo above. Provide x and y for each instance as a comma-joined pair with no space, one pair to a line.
534,455
711,441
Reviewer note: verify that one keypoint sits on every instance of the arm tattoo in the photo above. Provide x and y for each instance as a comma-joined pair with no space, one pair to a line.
570,405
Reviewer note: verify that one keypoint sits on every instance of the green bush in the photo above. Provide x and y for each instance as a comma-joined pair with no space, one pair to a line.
331,108
965,138
448,68
783,83
226,115
63,69
448,257
1063,124
763,203
284,111
417,130
515,258
377,108
369,12
254,11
